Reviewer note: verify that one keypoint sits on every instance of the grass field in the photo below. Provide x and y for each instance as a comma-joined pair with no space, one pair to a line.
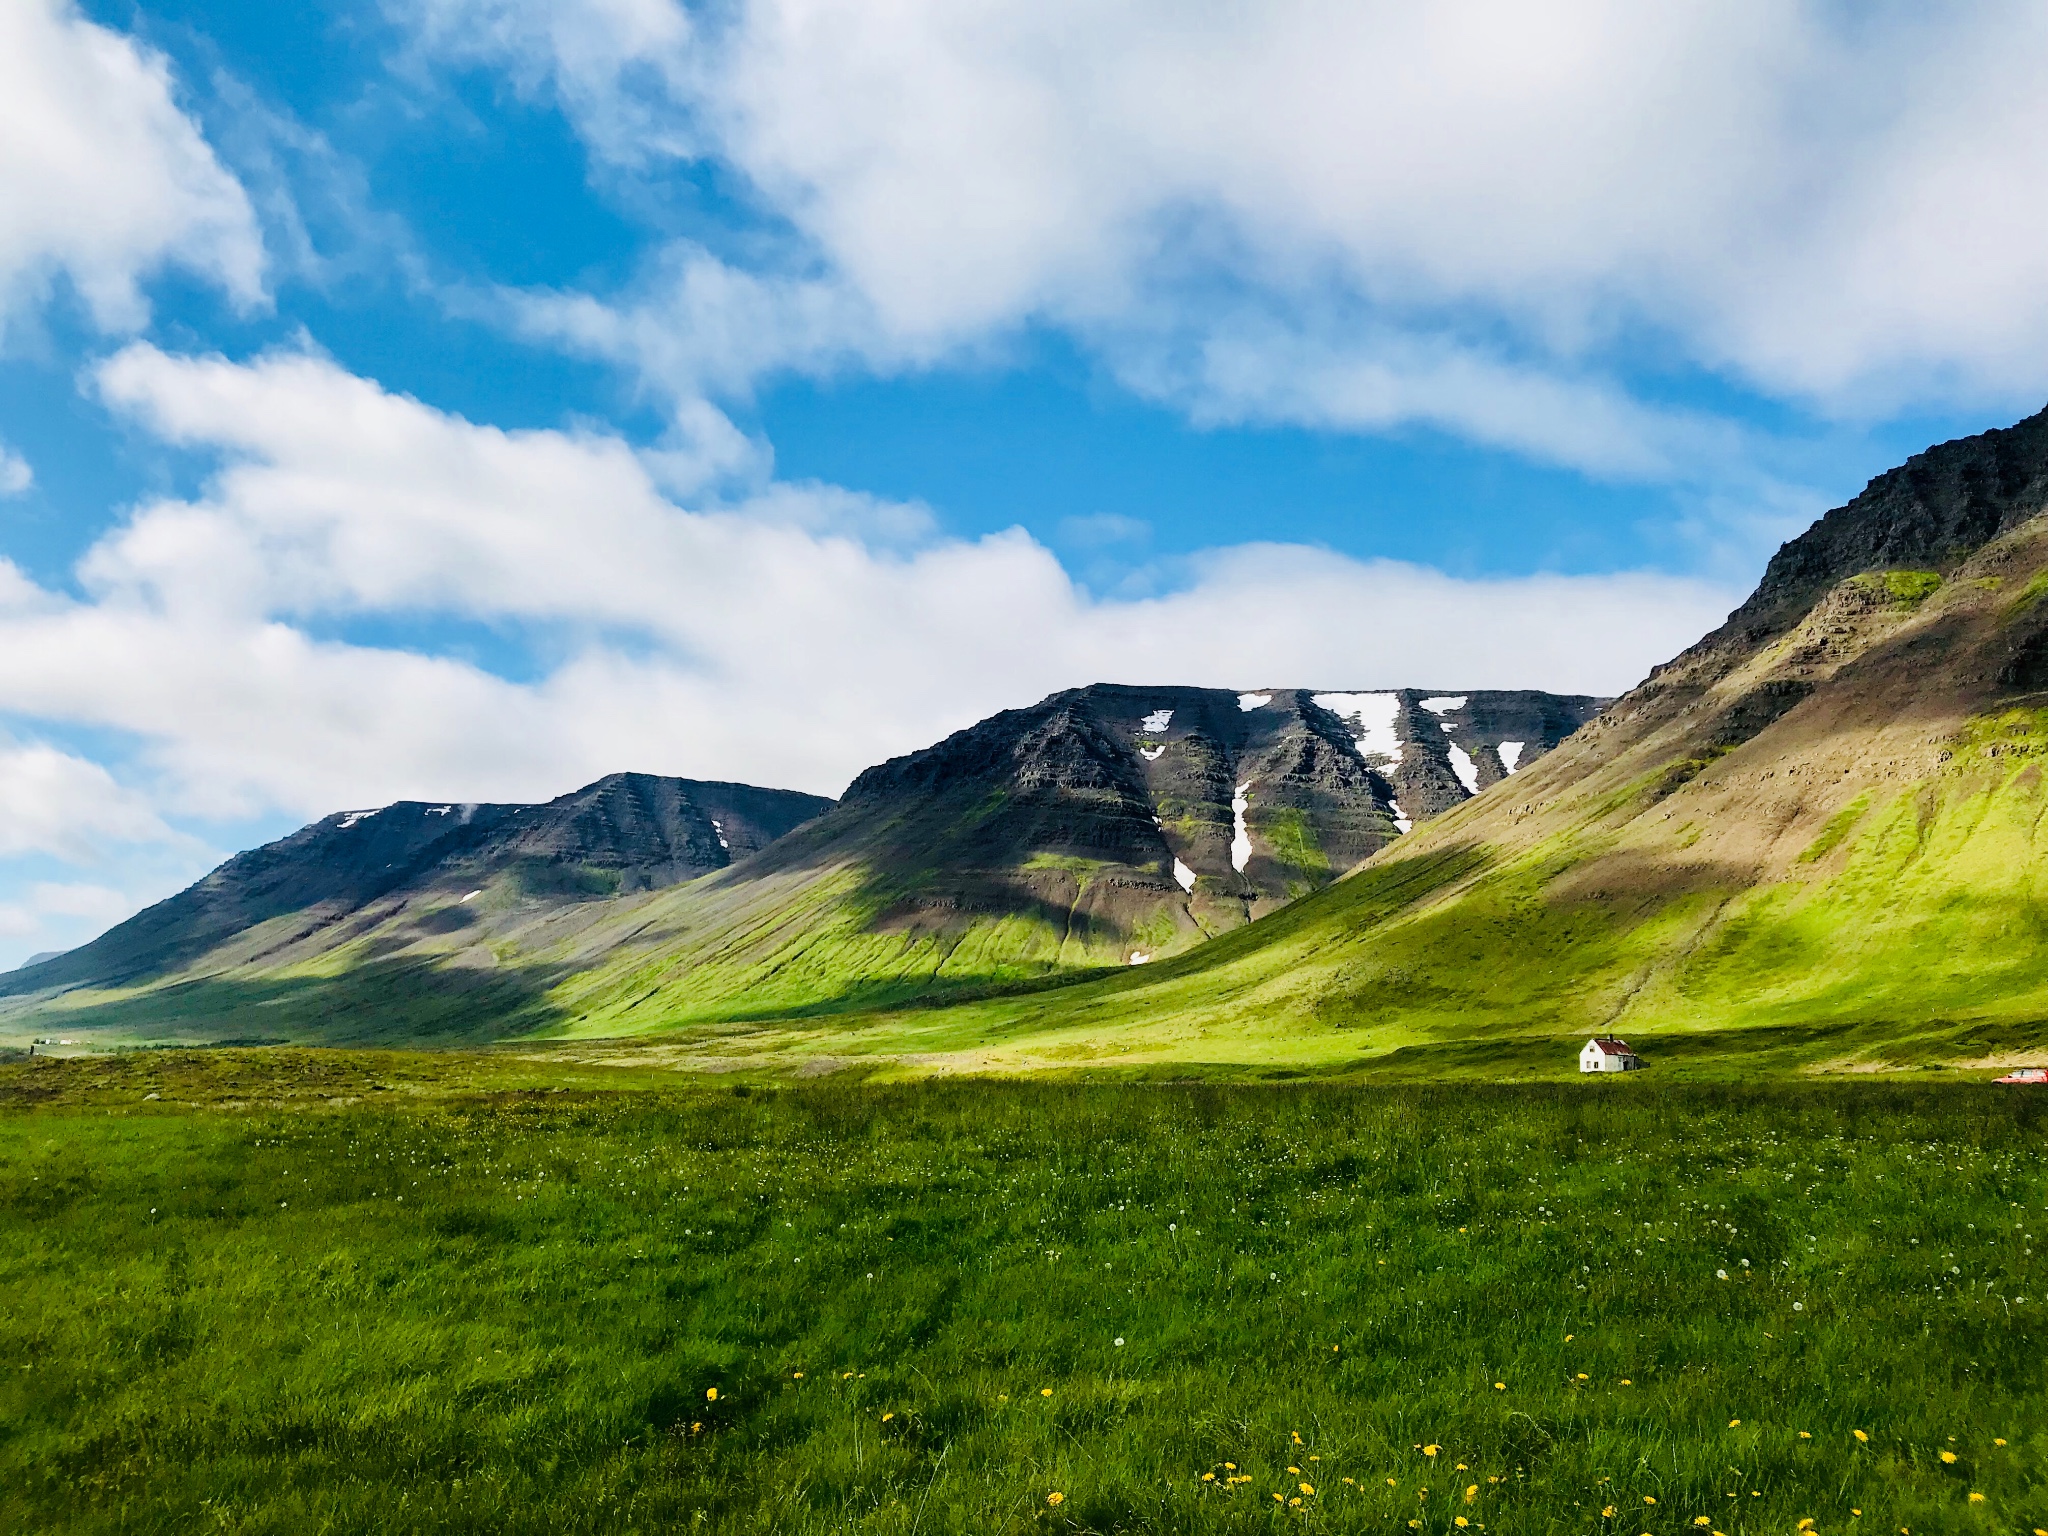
305,1291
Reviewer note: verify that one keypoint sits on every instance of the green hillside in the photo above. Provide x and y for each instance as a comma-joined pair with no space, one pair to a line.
1810,842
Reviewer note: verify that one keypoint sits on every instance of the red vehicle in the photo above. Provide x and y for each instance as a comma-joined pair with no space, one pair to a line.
2026,1075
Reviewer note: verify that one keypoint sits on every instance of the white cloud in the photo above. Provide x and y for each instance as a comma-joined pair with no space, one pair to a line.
792,638
69,807
102,178
15,474
1468,208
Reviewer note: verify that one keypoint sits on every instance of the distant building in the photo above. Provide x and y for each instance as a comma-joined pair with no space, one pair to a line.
2026,1075
1599,1055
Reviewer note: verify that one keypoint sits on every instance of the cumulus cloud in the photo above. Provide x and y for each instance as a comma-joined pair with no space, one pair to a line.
102,178
790,638
69,807
1460,212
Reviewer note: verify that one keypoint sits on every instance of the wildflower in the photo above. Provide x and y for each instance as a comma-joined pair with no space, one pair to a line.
1119,1343
1390,1482
1720,1274
694,1428
1471,1493
1861,1436
1414,1525
1348,1480
1701,1520
1208,1477
846,1375
1998,1442
1231,1465
799,1375
1279,1498
887,1417
1296,1471
1431,1450
1804,1435
711,1394
1607,1513
1735,1423
1855,1511
1626,1382
1584,1377
1055,1499
1500,1386
1567,1338
1045,1391
1806,1524
1976,1498
1948,1458
1798,1306
1461,1521
1306,1487
1291,1503
1297,1435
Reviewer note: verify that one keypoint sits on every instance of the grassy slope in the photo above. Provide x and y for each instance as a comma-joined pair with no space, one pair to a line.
392,1293
1853,883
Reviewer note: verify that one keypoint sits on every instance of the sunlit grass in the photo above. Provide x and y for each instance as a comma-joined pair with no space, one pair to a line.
934,1308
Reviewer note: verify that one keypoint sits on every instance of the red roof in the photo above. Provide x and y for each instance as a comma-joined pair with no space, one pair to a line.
1613,1047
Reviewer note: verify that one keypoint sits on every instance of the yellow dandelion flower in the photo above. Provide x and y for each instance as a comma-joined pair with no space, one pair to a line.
1567,1338
1279,1498
846,1375
1461,1522
1976,1498
1208,1477
1045,1391
1856,1512
1805,1435
1860,1436
1390,1482
1607,1513
1348,1480
1296,1471
1055,1498
1584,1377
1998,1442
1315,1458
1648,1499
1500,1386
1291,1503
799,1375
1471,1493
694,1428
1626,1382
887,1417
1231,1465
1806,1524
1735,1423
1413,1525
1431,1450
1948,1458
1306,1487
1701,1520
711,1394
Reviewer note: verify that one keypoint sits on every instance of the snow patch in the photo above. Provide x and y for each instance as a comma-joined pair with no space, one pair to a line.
353,817
1184,875
1448,726
1156,722
1371,717
1241,837
1466,770
1252,701
1438,706
1139,957
1401,823
1151,754
719,827
472,896
439,810
1510,754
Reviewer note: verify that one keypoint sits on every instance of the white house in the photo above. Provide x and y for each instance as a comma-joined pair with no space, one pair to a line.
1598,1055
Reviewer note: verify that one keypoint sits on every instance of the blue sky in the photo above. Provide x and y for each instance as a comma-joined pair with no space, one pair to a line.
459,399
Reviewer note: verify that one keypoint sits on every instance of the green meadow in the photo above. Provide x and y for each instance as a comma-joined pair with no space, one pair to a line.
318,1291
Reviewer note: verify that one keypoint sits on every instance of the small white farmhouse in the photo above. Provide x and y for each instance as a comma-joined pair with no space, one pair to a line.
1598,1055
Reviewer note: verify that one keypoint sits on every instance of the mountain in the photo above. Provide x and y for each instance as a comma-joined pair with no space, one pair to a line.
363,884
1102,826
1813,838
